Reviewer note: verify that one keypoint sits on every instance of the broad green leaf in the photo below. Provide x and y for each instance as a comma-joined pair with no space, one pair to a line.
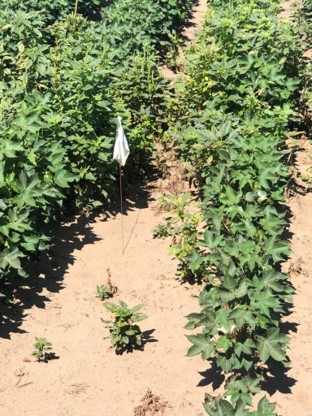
273,346
110,306
265,407
195,261
13,258
223,343
136,308
62,178
225,408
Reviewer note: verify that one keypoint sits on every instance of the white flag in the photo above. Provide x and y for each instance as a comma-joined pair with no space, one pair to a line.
121,148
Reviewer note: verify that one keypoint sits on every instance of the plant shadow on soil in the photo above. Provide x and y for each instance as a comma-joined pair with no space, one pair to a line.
189,23
213,376
147,337
182,31
48,270
49,356
276,379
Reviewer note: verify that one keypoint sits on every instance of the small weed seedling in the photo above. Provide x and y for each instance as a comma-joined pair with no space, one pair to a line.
103,292
42,346
108,290
183,227
124,333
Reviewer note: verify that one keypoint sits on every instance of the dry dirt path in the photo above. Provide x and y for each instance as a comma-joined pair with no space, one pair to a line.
189,34
88,378
293,392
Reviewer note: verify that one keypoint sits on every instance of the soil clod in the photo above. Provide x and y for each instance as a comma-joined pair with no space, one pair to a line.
151,405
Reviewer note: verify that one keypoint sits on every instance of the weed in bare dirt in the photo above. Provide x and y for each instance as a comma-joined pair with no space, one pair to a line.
108,290
151,405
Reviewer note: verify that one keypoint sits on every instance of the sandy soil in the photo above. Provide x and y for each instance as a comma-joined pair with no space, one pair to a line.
189,33
293,390
87,378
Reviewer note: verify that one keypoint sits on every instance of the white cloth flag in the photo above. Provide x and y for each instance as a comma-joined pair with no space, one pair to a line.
121,148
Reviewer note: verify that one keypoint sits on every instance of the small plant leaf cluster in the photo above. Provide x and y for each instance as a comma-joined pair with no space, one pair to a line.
305,16
42,347
125,334
183,226
108,290
241,88
104,292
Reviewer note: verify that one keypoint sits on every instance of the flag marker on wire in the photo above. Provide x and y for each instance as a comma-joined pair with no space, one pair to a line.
121,153
121,148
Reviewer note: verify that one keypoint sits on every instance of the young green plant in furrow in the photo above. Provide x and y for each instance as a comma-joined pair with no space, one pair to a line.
183,226
125,334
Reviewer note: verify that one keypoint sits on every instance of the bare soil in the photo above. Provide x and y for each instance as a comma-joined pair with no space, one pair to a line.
86,377
292,390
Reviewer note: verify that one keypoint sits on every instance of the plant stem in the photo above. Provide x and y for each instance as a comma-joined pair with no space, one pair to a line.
76,9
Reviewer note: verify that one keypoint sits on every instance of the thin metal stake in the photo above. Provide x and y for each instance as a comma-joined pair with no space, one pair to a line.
76,9
121,211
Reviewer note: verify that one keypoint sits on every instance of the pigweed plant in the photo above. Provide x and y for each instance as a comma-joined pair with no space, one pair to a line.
125,334
104,292
108,290
182,225
42,348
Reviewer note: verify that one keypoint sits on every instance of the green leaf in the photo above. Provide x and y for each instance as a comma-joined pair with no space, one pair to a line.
278,250
273,280
136,308
13,258
225,408
140,317
202,345
273,346
223,343
194,350
62,178
265,301
215,406
265,408
195,261
110,306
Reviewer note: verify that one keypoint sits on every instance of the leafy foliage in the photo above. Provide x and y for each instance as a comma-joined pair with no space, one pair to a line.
183,226
239,94
42,347
103,292
221,407
135,23
59,9
108,290
65,76
304,19
124,333
305,15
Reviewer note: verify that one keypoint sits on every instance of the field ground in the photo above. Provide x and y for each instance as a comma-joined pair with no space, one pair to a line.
88,378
